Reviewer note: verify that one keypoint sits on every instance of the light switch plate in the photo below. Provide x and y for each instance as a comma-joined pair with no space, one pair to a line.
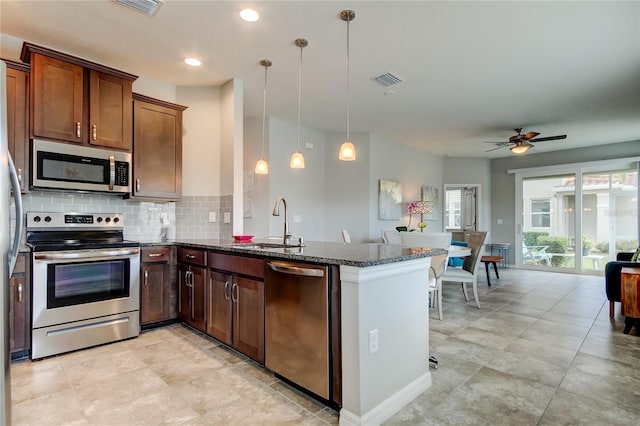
212,216
227,217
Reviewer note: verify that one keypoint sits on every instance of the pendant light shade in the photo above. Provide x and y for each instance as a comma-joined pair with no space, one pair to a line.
347,150
297,159
262,167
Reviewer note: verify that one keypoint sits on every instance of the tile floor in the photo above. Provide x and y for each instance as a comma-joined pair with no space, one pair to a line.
541,350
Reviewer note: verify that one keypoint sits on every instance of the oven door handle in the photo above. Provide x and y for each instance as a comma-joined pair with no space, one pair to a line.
86,254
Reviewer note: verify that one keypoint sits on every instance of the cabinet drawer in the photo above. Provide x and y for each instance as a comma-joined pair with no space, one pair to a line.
155,254
197,257
239,264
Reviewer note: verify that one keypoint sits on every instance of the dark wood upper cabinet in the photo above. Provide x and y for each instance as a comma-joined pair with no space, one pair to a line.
110,115
75,100
157,149
18,119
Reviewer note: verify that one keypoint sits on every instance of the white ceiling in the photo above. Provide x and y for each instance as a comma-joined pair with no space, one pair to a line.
474,70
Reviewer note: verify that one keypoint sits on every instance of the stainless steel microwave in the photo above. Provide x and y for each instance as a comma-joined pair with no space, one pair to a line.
57,165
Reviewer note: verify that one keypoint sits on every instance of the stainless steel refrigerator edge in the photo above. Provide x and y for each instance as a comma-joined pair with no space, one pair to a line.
9,251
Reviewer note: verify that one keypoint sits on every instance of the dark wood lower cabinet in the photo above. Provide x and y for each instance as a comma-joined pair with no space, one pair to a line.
156,289
192,296
236,303
20,309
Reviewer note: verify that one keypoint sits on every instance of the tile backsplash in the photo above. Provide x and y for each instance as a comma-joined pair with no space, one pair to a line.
142,220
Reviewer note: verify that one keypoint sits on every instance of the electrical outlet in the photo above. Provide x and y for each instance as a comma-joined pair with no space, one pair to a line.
373,341
227,217
297,218
498,221
212,216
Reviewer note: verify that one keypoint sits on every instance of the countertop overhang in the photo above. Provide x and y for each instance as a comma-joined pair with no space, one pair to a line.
358,255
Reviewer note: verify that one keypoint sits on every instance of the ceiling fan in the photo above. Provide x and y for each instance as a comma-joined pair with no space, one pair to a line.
521,143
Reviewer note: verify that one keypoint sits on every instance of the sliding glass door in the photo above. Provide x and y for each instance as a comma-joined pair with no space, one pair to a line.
576,220
609,216
548,221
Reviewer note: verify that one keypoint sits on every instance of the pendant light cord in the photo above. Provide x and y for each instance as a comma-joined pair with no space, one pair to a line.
348,82
299,95
264,108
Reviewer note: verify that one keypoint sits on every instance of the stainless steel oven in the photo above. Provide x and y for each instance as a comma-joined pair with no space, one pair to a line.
86,281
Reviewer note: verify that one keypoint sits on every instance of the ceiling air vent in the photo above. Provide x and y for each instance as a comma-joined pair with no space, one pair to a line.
388,79
150,7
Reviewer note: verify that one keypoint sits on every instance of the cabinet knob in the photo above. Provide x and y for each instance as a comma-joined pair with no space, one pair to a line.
95,132
78,129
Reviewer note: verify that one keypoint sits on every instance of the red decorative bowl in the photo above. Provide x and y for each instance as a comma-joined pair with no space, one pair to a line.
242,237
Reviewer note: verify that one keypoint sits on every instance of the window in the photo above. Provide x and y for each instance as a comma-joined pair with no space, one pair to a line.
453,204
541,213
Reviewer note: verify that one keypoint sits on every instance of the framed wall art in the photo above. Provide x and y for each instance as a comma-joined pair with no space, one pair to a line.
389,200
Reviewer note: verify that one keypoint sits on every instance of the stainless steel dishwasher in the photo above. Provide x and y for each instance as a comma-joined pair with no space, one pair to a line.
297,324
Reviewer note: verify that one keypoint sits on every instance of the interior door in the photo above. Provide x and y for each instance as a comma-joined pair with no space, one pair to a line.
469,208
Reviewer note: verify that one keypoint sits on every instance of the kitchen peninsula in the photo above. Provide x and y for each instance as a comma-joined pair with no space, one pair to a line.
383,318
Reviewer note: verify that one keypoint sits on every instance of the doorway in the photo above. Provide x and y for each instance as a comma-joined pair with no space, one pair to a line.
461,207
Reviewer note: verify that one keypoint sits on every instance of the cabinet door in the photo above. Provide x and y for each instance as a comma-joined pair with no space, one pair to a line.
154,293
19,307
157,153
198,298
248,324
184,293
57,99
17,122
110,111
220,308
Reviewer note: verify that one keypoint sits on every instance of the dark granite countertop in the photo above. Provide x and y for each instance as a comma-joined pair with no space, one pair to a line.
359,255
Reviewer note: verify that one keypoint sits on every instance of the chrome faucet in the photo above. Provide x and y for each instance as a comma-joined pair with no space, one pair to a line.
276,212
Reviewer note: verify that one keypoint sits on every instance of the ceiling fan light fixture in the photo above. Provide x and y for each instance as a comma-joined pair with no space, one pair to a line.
262,167
347,150
519,149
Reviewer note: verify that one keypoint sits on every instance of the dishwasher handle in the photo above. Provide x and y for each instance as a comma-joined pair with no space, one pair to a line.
287,268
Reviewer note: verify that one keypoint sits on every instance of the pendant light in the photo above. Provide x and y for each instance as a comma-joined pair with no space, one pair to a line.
297,159
347,150
262,167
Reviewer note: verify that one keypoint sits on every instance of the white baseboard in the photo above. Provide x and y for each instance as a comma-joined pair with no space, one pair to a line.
390,406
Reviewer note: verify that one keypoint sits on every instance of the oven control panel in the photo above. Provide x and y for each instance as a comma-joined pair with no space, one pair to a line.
43,220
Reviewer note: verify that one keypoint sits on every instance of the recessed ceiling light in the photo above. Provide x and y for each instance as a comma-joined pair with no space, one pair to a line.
193,62
249,15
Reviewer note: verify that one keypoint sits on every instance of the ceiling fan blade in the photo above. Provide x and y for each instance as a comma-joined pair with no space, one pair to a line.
550,138
530,135
497,143
498,147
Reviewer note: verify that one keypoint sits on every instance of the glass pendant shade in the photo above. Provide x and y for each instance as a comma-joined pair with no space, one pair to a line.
297,160
347,151
262,168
